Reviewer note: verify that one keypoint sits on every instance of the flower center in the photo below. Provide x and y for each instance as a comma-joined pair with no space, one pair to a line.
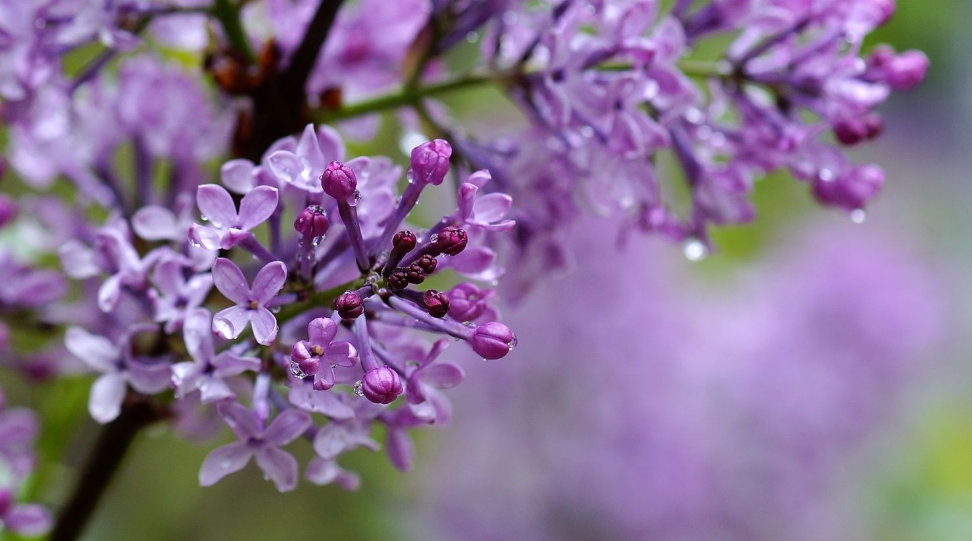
253,305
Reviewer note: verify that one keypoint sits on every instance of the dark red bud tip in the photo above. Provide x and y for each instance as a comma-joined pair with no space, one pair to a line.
404,241
312,222
349,305
414,274
450,241
339,181
397,280
427,263
436,303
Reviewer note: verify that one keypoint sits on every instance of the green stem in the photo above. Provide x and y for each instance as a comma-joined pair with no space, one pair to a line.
229,18
412,95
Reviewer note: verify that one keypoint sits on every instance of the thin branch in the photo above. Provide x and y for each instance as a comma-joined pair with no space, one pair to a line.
304,58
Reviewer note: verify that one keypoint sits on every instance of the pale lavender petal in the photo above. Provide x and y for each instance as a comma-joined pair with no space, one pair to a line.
18,427
286,166
257,206
216,205
213,390
224,461
332,440
322,472
309,151
268,282
207,237
185,377
287,427
28,520
168,277
279,466
229,280
230,364
241,420
78,261
442,375
198,289
109,294
232,237
466,200
106,398
340,354
321,331
473,260
156,223
492,207
327,403
95,351
229,323
332,146
237,175
198,335
264,325
149,378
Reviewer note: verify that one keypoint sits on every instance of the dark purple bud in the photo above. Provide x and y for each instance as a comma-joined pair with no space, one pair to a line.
349,305
436,303
339,181
8,210
414,274
404,241
852,190
493,340
381,385
312,222
430,162
304,360
6,501
449,241
397,280
855,130
427,263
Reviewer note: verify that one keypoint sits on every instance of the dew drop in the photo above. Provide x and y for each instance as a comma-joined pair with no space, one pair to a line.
472,37
204,218
469,324
434,238
194,244
410,175
695,250
275,309
858,216
358,388
355,198
296,371
826,175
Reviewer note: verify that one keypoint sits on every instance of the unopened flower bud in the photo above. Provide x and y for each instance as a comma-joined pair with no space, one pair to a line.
404,241
907,70
312,222
436,303
349,305
430,162
339,181
414,274
381,385
853,131
450,241
467,301
493,340
397,280
427,263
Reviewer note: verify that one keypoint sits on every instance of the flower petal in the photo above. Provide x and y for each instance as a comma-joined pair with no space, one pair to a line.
401,450
28,520
341,354
216,205
237,175
321,331
240,419
224,461
286,166
279,466
96,351
229,323
106,398
268,282
492,207
307,398
257,206
287,427
442,375
229,280
264,326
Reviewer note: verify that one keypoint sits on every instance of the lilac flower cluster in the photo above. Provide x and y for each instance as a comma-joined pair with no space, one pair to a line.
191,299
18,430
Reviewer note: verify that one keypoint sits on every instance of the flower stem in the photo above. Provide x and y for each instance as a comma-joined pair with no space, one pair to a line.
412,95
228,16
109,451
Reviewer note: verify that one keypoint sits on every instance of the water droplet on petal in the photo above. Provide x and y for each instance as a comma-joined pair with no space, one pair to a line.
358,388
469,324
204,218
296,371
275,309
826,175
434,238
858,216
355,198
695,250
472,37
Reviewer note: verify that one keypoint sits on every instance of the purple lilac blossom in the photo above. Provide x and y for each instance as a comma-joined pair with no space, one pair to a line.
18,433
